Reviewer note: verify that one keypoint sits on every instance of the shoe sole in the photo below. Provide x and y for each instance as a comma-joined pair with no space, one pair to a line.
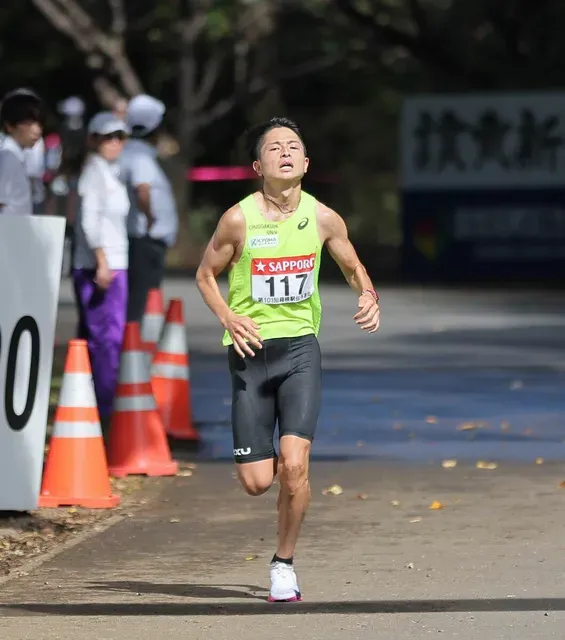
297,598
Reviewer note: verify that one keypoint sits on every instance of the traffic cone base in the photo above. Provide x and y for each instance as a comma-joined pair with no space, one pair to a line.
137,444
141,435
76,471
77,455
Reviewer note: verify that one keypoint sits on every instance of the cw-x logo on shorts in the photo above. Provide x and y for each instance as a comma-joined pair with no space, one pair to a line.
242,452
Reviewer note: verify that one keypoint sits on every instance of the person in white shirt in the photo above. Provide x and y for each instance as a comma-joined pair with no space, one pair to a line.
153,217
35,168
100,259
22,117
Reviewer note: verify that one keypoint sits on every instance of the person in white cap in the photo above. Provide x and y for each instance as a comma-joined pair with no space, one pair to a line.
22,117
153,219
100,258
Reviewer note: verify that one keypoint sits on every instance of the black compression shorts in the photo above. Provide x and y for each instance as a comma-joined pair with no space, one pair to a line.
282,383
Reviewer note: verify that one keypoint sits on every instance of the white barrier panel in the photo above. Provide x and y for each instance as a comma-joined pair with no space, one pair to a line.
31,254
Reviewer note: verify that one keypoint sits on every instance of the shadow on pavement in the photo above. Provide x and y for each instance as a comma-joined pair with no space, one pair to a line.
183,590
263,608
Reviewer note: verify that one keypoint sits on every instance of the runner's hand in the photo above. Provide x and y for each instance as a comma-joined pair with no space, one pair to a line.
243,331
368,316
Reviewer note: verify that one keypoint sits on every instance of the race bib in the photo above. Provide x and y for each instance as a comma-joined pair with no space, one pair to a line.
282,280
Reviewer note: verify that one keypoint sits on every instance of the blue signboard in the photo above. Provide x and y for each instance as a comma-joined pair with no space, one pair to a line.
483,187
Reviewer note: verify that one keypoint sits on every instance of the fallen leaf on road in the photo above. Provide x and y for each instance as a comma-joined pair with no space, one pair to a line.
174,520
248,558
410,565
539,460
435,506
414,520
72,510
395,503
449,464
472,425
505,426
185,473
334,490
481,464
431,420
362,496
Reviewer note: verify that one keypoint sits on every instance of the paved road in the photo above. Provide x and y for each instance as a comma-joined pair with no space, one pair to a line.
195,563
375,561
442,358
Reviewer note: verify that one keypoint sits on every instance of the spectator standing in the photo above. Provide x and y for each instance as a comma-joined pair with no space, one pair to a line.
22,117
153,217
34,160
100,258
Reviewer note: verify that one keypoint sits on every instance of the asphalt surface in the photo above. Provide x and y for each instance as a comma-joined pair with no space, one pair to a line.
442,359
462,375
374,562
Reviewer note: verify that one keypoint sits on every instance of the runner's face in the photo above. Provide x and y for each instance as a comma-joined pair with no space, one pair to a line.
281,156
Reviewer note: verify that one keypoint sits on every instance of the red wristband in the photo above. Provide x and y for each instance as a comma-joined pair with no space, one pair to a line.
372,292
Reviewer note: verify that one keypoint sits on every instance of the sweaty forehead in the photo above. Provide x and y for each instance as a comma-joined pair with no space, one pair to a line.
280,134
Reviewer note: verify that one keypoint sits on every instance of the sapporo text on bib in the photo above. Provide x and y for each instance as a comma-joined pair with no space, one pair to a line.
282,280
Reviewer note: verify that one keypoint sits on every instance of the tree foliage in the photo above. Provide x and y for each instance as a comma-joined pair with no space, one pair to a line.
340,67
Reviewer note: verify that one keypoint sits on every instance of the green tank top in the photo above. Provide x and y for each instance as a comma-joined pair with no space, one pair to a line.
275,281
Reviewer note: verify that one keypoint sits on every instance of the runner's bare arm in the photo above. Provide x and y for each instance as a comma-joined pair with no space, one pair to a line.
219,254
222,250
333,233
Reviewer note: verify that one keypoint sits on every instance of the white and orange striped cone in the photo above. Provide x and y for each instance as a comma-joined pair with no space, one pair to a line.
76,471
152,322
137,443
170,377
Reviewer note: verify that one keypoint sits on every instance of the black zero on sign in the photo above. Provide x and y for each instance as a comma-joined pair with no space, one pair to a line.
17,422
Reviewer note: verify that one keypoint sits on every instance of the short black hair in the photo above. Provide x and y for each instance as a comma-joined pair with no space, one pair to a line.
22,105
256,134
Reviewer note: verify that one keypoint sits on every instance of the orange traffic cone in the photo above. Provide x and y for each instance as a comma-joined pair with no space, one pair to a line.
76,471
170,377
152,322
137,443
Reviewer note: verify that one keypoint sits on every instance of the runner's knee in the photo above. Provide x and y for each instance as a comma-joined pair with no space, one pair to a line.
255,479
293,474
256,486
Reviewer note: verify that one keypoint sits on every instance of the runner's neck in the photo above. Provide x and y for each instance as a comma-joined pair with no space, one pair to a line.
283,200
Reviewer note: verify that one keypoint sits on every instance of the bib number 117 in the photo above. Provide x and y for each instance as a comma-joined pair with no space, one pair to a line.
284,288
300,279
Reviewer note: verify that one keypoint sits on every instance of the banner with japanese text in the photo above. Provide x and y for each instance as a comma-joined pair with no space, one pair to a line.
483,186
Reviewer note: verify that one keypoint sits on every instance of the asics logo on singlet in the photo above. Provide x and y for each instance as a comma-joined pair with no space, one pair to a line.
242,452
303,223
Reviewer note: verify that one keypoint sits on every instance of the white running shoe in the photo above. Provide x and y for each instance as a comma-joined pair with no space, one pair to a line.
284,585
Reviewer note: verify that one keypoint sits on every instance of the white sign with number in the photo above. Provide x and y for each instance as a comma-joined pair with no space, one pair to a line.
282,280
31,254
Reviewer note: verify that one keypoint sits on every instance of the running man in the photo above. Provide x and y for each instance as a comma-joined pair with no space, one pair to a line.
272,242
